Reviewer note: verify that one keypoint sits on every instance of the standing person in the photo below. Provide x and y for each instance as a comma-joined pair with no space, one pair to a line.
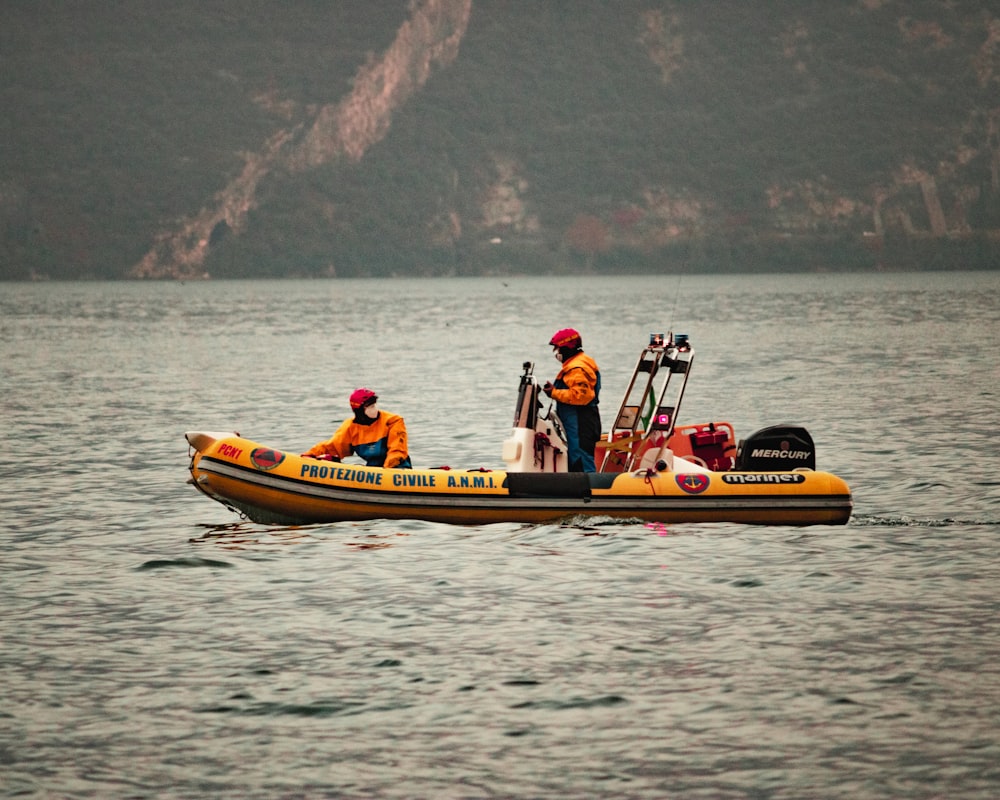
376,436
576,390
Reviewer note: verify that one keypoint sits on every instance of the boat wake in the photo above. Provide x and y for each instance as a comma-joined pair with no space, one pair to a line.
904,521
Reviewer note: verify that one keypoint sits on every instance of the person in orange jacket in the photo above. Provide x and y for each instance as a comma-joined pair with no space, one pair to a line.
576,390
376,436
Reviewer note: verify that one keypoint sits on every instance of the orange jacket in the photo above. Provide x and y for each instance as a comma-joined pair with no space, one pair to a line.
381,444
578,382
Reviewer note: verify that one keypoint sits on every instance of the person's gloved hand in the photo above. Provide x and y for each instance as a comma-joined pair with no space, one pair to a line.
547,388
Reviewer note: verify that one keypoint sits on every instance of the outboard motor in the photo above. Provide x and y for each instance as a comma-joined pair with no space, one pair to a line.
779,448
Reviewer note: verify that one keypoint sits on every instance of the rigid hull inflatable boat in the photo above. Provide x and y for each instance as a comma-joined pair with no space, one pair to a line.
648,468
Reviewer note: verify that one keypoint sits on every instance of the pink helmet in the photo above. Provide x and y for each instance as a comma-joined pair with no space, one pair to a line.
362,397
567,337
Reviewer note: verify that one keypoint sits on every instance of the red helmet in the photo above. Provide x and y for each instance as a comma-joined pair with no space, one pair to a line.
362,397
567,337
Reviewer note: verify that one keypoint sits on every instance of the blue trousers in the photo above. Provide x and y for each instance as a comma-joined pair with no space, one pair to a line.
582,426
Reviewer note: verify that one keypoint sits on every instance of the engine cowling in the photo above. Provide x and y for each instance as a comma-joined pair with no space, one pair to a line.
778,448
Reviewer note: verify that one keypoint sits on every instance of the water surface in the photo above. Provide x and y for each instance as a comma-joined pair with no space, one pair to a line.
155,645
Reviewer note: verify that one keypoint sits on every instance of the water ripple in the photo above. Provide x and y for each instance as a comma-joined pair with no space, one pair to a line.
155,645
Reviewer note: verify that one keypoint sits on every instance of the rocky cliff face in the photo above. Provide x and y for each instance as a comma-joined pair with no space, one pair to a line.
429,39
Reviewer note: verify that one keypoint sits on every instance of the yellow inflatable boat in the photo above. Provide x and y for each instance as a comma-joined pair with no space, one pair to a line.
648,469
271,486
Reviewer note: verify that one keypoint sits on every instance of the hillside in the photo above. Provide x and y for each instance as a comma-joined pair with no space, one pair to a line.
445,137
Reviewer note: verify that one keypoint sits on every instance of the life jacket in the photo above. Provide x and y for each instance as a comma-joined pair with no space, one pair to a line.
578,382
381,441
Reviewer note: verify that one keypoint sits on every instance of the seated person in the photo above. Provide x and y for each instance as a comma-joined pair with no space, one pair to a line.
376,436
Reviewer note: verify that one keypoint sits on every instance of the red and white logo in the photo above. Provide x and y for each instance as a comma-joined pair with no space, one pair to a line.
265,458
695,483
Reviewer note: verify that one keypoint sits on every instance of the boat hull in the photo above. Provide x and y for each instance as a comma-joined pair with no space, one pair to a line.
271,486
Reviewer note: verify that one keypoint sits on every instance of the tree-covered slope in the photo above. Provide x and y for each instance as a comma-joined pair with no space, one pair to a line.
455,137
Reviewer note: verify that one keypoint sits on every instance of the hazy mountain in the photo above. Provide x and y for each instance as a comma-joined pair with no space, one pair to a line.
228,138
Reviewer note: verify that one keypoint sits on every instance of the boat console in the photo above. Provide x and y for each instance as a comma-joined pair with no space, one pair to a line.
537,442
